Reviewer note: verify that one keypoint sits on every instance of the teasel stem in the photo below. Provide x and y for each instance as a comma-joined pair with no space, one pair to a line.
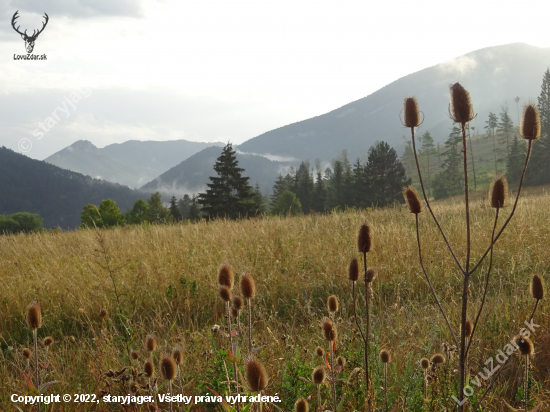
333,382
319,398
386,385
428,203
526,384
170,391
35,337
534,309
228,315
530,145
181,378
366,337
355,313
430,283
249,325
486,283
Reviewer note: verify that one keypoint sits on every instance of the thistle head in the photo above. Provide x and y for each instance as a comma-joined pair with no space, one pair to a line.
255,374
319,375
151,343
149,368
48,340
411,114
225,293
332,303
498,192
537,287
437,359
168,368
364,239
525,345
425,363
530,122
177,354
301,405
462,110
319,351
248,288
385,356
225,276
330,330
353,273
34,316
370,275
412,199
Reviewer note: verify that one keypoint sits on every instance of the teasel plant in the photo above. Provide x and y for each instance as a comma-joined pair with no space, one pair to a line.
34,321
256,376
526,348
385,359
248,291
318,378
425,364
461,111
331,333
169,372
177,355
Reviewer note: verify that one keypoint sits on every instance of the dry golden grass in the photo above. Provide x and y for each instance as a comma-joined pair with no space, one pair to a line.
296,264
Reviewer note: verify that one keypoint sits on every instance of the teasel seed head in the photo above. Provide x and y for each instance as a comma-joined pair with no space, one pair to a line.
48,340
412,199
537,287
34,316
530,122
469,328
332,303
411,113
498,192
364,239
149,368
134,355
151,343
525,345
255,374
235,313
353,273
102,314
319,351
341,361
225,277
248,288
301,405
425,363
168,368
385,356
437,359
330,330
177,354
237,302
225,293
27,353
461,108
371,275
319,375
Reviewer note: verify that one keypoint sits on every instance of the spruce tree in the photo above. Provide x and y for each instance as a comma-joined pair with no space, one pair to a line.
428,152
515,161
360,185
320,196
490,133
229,194
194,209
304,187
281,184
183,205
450,180
174,209
505,130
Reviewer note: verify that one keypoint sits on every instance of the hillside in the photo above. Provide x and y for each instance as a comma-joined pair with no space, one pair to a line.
58,195
132,163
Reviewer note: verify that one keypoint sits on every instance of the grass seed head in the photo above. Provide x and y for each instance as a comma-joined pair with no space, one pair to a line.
237,302
437,359
319,375
341,361
537,287
34,316
177,354
255,374
168,368
425,363
225,277
151,343
225,293
134,355
330,330
385,356
332,303
530,122
353,273
301,405
461,108
248,288
411,112
149,368
525,345
370,275
412,199
364,239
27,353
48,340
319,351
498,192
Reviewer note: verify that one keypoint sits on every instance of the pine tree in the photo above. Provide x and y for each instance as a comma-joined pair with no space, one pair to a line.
194,209
336,185
304,186
174,209
386,174
360,185
157,212
281,184
183,205
229,194
320,196
428,151
505,130
450,180
515,162
259,200
491,127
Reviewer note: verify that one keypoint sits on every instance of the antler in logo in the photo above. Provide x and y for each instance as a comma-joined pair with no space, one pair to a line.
29,40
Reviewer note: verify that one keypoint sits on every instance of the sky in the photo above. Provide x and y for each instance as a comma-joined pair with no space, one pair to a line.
119,70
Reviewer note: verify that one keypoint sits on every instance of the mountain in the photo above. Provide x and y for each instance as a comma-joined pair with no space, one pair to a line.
132,163
192,175
493,76
57,195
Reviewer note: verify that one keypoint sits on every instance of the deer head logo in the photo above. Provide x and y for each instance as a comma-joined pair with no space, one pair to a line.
29,40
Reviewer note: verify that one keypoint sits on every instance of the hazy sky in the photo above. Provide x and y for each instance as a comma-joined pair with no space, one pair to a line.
224,70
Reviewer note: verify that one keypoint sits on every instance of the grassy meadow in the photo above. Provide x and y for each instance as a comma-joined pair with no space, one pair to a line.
162,280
